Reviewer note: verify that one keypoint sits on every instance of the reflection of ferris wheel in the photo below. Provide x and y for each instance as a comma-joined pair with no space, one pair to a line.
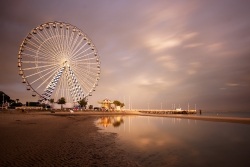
58,60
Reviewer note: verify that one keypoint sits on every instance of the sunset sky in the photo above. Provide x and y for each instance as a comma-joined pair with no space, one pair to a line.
153,51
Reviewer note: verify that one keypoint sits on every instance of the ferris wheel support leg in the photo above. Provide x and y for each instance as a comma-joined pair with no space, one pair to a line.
51,86
75,88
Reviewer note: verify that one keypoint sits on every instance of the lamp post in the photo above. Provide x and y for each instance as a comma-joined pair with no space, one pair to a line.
3,100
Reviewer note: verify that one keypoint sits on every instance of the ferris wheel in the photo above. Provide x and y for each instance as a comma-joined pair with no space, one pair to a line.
57,59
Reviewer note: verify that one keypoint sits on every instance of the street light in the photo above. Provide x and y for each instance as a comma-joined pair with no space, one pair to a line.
3,100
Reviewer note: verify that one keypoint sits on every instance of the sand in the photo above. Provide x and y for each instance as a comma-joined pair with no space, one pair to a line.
64,139
36,139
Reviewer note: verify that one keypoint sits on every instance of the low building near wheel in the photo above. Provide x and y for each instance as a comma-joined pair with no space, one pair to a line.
65,106
106,103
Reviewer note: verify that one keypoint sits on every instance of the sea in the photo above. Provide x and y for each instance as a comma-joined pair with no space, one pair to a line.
163,141
240,114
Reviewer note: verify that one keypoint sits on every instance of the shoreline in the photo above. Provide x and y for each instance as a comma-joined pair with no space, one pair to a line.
96,113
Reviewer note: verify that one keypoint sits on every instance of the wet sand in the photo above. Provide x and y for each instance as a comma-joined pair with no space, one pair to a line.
38,139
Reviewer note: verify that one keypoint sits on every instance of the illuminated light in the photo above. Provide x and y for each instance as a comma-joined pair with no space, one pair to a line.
41,28
34,31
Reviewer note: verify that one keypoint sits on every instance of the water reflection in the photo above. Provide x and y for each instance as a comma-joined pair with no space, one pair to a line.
114,121
157,141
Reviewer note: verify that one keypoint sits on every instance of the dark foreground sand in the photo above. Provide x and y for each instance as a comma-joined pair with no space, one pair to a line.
57,140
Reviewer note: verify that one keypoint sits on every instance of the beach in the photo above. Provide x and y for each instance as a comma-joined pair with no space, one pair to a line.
36,139
64,139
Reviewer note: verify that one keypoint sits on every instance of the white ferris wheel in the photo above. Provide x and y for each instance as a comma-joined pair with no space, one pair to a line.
57,59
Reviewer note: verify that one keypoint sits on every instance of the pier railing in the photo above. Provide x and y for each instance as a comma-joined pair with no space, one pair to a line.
167,111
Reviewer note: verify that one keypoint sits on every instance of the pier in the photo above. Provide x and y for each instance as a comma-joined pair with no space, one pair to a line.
168,111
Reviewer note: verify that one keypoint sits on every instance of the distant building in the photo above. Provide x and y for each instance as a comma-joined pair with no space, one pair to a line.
106,103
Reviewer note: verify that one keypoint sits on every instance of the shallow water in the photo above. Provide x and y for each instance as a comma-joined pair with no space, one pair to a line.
157,141
226,114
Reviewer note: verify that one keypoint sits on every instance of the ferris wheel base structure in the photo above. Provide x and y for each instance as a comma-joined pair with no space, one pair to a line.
57,59
65,106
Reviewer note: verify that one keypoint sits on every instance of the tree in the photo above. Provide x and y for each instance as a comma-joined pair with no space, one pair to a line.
61,101
4,97
117,103
122,105
51,101
83,103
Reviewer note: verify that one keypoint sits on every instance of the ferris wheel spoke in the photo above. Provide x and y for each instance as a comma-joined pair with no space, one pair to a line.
81,60
54,39
46,45
78,73
58,39
75,52
35,51
40,72
68,49
71,39
40,55
41,77
80,42
38,67
51,42
83,71
40,62
74,42
77,57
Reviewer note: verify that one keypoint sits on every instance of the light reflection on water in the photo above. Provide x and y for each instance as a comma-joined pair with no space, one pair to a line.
158,141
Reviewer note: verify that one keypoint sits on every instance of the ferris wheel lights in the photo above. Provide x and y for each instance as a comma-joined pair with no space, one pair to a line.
61,25
19,56
33,94
25,41
89,42
28,87
74,29
34,31
80,33
19,64
47,26
20,72
54,24
23,80
29,36
41,28
67,26
95,53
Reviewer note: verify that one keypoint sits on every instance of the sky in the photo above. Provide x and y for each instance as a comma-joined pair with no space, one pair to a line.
153,53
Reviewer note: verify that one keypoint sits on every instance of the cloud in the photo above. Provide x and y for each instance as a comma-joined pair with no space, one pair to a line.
158,44
193,67
231,84
192,45
190,35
